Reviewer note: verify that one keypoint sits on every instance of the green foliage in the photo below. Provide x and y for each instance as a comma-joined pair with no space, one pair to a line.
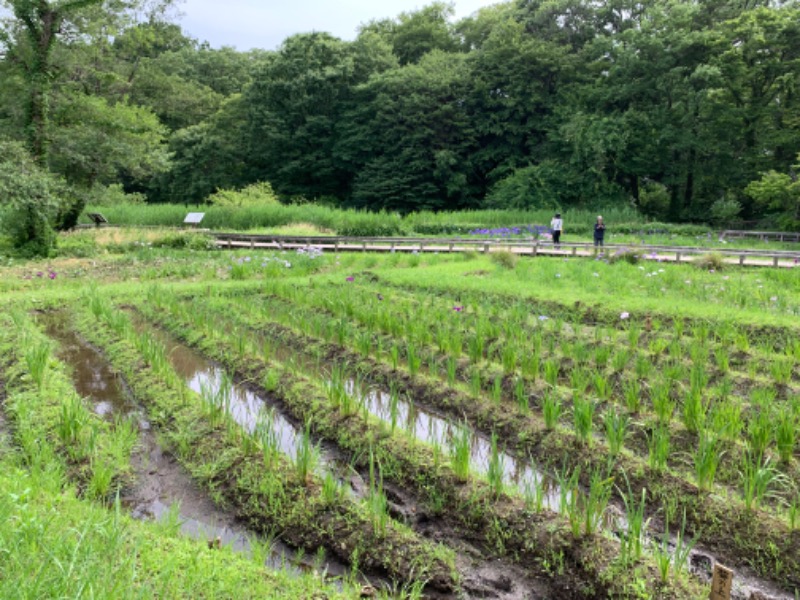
98,141
30,199
255,194
778,192
654,199
725,211
711,261
504,259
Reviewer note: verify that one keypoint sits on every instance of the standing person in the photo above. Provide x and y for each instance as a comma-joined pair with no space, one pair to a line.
556,225
599,232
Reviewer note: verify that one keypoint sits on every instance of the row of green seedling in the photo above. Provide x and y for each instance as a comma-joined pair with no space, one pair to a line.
720,417
242,470
479,505
51,422
705,513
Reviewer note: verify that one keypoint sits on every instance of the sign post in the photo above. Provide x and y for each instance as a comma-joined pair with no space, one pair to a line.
194,219
722,583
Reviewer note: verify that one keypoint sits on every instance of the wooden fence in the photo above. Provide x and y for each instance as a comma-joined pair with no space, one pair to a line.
759,258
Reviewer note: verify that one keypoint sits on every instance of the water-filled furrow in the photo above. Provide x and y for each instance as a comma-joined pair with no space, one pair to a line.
248,408
518,474
92,376
163,490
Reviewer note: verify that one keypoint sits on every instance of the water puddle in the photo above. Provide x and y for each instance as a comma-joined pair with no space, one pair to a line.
163,491
166,493
92,376
249,409
440,432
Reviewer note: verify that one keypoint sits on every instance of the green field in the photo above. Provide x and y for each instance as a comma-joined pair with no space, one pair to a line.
588,429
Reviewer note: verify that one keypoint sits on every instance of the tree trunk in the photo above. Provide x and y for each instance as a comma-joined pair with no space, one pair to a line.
41,24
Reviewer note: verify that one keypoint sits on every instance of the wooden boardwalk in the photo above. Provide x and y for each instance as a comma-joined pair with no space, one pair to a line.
672,254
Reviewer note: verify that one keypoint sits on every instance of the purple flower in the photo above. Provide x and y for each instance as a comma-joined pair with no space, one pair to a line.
458,308
351,278
52,274
40,274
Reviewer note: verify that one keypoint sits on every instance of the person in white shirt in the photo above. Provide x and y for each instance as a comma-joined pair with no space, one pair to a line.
556,225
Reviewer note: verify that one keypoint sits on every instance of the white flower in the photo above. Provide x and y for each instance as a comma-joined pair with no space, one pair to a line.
558,274
774,299
543,318
624,315
595,274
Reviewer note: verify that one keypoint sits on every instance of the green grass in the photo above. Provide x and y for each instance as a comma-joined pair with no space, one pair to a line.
699,370
94,552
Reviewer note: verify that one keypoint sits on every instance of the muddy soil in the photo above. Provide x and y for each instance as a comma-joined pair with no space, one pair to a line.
161,482
483,576
429,425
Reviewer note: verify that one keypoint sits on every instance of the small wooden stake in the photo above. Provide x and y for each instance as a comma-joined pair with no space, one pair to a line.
721,583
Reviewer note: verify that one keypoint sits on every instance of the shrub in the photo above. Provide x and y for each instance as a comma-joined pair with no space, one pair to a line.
712,261
725,210
112,195
188,241
654,199
253,195
504,258
31,198
625,255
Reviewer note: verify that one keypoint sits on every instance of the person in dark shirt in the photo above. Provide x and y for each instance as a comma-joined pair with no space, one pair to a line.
599,232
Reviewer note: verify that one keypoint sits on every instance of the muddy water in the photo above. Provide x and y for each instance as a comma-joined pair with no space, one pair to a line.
246,406
163,484
92,375
434,429
163,490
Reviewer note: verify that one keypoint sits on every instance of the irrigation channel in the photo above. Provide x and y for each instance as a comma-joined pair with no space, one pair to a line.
437,430
163,490
442,432
482,577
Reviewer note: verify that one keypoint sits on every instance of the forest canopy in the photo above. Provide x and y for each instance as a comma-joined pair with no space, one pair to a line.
685,110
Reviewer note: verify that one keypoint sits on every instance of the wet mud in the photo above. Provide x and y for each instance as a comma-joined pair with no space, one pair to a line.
162,484
433,428
247,406
163,490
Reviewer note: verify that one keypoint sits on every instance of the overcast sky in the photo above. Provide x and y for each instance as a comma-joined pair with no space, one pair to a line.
247,24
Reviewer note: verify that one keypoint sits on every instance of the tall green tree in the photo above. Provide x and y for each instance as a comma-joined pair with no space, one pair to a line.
295,103
39,23
408,137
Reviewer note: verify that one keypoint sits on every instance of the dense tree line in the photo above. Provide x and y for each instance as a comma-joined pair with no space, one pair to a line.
688,110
